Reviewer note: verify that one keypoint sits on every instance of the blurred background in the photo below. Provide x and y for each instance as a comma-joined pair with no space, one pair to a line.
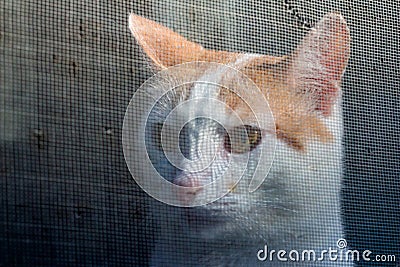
68,70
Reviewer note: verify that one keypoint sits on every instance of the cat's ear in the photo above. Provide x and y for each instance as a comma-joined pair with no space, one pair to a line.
163,46
319,62
167,48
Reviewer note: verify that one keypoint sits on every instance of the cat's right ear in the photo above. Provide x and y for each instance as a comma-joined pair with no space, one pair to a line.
320,61
162,45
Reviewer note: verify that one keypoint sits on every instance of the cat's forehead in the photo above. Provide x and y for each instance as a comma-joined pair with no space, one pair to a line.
293,120
231,89
219,92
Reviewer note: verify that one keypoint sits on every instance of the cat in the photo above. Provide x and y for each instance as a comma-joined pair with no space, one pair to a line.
297,207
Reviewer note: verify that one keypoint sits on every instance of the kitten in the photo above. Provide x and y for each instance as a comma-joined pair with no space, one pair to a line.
297,207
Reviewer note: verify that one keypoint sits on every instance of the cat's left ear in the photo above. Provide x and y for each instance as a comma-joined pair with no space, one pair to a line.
163,46
319,62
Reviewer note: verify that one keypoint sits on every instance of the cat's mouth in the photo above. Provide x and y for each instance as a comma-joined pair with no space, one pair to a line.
211,215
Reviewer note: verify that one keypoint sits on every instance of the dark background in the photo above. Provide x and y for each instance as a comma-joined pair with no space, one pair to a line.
68,70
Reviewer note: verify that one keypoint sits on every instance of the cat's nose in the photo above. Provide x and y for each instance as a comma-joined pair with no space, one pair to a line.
189,189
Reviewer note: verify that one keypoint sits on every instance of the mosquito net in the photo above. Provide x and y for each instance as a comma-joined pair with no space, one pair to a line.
68,72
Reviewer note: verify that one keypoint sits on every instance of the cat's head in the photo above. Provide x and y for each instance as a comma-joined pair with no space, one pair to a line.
301,89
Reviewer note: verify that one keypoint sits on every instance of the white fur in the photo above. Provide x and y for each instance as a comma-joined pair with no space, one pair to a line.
297,207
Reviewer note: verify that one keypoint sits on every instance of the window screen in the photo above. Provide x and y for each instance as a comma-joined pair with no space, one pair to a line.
68,72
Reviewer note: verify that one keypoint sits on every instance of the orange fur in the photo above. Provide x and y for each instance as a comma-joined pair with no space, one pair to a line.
167,48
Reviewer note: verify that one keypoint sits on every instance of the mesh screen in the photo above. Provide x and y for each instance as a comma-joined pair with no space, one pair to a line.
68,71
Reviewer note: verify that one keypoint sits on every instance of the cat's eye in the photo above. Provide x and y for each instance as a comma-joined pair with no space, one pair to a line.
242,139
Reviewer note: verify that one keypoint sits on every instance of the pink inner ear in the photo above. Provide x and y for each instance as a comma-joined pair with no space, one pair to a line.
326,97
320,60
